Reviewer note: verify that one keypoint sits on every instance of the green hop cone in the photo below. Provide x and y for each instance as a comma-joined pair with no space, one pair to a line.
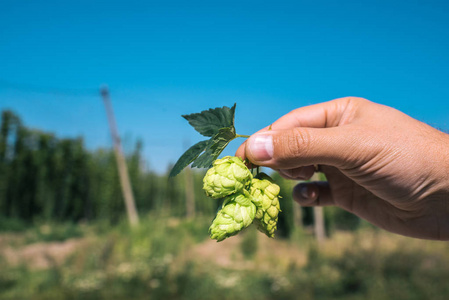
266,198
228,175
236,213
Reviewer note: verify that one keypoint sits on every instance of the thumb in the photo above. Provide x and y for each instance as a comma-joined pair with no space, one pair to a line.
301,146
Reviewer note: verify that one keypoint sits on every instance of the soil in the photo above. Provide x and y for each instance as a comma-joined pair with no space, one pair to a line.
39,255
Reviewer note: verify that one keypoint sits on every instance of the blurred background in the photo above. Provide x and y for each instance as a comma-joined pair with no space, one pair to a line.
64,228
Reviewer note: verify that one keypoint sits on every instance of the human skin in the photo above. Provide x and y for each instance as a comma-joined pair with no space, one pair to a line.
381,164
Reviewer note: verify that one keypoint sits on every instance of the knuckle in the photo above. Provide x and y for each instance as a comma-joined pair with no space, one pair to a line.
355,100
293,145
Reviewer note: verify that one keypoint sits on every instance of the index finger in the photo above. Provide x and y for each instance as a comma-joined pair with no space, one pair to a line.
321,115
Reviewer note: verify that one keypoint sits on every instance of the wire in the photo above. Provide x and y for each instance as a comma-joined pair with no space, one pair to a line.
48,90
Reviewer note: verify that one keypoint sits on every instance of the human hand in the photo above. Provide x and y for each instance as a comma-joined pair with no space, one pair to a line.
381,164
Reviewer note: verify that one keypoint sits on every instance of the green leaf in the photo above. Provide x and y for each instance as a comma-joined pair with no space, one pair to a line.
206,159
214,149
209,122
222,139
189,156
217,123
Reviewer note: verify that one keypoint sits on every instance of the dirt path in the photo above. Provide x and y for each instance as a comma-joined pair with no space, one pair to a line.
40,255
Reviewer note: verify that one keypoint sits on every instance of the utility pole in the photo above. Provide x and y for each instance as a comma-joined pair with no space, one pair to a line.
125,183
318,214
297,216
320,233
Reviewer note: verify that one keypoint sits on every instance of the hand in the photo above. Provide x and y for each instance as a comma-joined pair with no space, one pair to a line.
381,164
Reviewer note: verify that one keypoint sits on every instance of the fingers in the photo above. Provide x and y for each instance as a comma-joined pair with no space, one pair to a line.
287,139
322,115
313,194
299,147
304,173
241,151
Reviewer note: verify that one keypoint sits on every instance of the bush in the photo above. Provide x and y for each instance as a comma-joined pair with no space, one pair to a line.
50,232
12,225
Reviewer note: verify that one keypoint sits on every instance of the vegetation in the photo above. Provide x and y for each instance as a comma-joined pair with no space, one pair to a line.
44,178
179,261
64,237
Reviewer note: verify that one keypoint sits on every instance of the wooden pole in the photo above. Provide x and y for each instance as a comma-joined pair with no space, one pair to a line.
125,183
297,216
319,224
319,227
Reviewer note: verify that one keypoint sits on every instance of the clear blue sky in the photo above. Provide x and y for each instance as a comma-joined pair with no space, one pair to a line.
162,59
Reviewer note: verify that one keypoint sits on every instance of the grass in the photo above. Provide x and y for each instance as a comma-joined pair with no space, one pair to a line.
168,258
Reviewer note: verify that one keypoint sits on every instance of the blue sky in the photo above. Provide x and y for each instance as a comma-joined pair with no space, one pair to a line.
162,59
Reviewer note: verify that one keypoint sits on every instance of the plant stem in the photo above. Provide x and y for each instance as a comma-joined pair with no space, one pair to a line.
242,136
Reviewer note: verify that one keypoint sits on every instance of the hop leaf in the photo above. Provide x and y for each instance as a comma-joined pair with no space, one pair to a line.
228,175
237,213
218,124
209,122
265,196
189,156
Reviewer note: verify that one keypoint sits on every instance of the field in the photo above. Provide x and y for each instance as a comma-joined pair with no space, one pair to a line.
172,258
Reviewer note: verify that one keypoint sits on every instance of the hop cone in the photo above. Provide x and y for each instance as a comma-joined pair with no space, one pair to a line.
236,214
228,175
265,197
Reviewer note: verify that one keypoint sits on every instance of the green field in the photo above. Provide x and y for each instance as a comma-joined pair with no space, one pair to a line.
172,258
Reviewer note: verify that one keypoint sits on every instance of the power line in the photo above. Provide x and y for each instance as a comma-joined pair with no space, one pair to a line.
28,88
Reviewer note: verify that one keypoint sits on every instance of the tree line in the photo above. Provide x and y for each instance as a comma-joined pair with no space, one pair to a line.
46,178
43,177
